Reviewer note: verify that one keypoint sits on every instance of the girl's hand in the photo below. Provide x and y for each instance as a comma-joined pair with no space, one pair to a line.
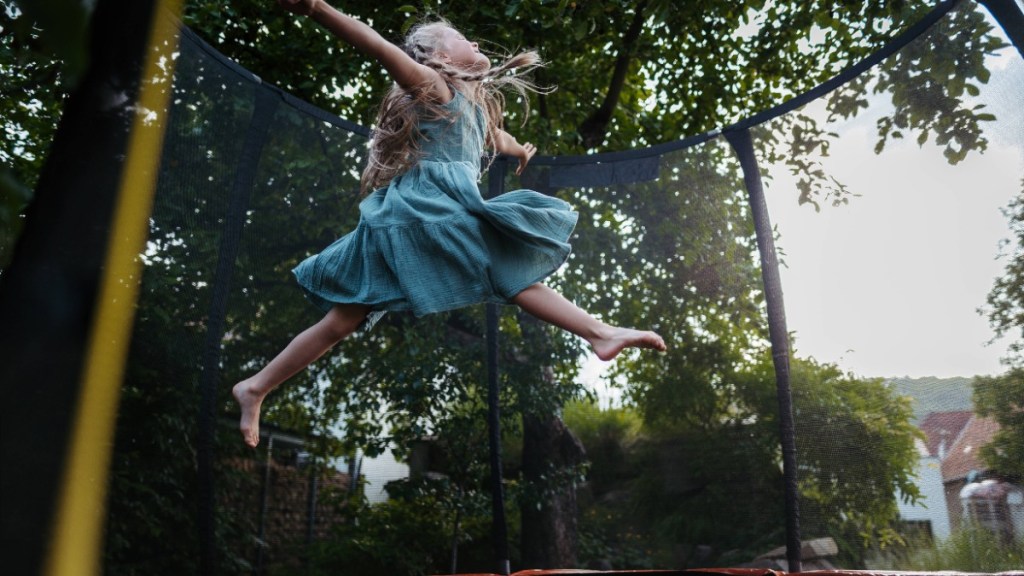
505,143
524,153
300,7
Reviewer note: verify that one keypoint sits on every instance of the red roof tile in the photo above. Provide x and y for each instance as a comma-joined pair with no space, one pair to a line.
939,426
963,456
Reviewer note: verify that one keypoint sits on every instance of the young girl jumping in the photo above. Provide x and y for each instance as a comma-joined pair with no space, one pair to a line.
426,240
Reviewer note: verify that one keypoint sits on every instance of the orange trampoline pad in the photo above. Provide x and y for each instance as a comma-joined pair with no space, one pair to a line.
742,572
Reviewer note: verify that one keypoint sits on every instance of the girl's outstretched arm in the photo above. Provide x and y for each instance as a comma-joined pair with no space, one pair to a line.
505,143
408,73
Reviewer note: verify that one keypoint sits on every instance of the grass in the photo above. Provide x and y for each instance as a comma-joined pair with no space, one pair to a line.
970,549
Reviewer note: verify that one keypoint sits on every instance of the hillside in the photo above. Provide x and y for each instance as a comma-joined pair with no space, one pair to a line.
934,394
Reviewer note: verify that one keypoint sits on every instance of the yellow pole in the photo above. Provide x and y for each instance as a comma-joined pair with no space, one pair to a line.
77,537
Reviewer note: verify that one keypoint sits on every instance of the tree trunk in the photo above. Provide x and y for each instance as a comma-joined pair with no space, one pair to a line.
549,534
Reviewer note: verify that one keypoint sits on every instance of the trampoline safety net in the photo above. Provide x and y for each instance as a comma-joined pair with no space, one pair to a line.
374,460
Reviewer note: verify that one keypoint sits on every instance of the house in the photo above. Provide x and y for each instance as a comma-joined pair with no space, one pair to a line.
933,512
956,485
963,462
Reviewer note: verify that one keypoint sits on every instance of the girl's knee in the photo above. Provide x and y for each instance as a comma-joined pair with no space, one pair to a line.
344,319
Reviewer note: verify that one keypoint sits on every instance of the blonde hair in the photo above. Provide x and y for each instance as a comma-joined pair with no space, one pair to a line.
394,146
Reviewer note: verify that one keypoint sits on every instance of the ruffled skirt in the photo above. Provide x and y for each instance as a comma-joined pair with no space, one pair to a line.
429,242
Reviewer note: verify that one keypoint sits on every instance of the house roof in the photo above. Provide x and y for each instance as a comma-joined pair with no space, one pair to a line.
939,426
963,456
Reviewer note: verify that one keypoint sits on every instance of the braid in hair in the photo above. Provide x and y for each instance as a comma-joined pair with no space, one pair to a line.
394,145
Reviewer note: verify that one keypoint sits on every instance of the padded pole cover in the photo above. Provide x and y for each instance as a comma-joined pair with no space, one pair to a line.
499,526
744,147
1011,18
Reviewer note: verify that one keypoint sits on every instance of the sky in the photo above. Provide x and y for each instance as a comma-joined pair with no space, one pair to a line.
890,284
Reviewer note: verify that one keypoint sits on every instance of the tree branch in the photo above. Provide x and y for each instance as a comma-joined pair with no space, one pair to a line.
594,128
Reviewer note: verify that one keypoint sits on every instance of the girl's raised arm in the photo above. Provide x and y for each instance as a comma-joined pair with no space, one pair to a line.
408,73
506,143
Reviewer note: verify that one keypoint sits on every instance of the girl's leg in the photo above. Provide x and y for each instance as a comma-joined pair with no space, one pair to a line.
311,344
607,341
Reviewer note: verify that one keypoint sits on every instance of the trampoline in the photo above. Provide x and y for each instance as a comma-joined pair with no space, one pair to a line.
211,213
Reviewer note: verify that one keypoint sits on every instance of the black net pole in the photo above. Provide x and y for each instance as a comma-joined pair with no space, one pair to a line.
744,147
1010,18
499,527
209,383
261,530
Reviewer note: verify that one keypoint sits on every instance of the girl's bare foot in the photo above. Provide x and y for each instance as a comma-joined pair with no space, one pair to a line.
249,401
615,340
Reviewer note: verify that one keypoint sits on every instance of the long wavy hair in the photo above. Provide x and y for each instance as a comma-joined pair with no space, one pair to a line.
394,144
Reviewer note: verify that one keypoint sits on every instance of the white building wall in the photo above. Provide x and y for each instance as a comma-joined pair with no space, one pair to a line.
377,472
931,506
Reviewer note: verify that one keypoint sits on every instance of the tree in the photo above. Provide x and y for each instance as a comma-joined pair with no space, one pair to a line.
856,456
855,448
1000,396
1005,308
35,83
689,69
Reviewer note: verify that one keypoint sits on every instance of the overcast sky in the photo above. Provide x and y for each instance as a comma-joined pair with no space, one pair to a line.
890,284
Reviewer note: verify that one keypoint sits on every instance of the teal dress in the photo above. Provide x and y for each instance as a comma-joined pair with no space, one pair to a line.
429,242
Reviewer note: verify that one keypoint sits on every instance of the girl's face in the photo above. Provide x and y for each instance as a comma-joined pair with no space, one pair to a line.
462,53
